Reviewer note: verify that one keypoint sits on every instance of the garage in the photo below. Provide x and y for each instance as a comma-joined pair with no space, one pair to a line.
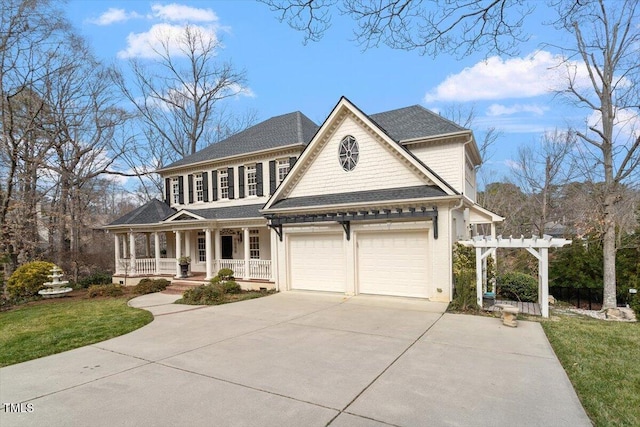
393,263
317,262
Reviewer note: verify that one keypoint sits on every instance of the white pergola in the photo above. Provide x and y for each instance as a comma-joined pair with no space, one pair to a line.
538,247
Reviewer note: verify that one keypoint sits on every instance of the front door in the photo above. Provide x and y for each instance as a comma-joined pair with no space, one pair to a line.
227,247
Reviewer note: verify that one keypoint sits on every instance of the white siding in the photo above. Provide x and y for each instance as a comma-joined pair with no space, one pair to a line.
377,167
445,159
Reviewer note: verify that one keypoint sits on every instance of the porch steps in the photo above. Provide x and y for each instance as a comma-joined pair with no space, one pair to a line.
177,287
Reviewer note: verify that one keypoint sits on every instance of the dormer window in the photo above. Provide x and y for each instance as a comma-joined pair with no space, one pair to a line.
252,182
223,177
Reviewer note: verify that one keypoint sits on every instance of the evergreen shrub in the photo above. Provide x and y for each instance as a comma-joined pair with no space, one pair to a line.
518,286
28,279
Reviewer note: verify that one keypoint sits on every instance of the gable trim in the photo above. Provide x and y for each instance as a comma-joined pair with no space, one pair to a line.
181,212
343,108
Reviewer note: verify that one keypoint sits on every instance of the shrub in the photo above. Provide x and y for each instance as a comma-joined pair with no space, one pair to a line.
149,286
231,287
634,303
518,286
464,274
110,290
97,278
202,295
225,274
28,279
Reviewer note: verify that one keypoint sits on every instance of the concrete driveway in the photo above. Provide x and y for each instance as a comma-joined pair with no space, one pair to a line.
299,359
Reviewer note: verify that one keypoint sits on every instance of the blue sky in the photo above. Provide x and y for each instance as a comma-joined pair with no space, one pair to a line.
284,75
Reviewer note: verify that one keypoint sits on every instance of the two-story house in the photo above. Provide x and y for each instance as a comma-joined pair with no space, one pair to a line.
361,204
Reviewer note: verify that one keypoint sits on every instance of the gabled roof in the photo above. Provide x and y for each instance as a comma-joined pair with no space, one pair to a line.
149,213
344,104
280,131
388,194
414,122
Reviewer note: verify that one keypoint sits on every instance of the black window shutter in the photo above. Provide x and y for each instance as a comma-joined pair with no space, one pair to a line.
231,183
292,161
214,185
272,176
205,187
241,181
167,191
190,185
259,191
181,190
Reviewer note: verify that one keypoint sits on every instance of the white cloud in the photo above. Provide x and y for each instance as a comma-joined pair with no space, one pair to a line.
503,110
145,45
536,74
113,15
181,13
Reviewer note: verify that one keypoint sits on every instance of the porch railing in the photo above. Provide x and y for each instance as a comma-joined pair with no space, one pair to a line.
237,265
260,269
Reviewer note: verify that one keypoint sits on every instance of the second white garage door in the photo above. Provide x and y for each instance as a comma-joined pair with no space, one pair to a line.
393,263
317,262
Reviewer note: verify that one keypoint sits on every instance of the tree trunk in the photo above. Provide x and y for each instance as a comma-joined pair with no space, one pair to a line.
609,253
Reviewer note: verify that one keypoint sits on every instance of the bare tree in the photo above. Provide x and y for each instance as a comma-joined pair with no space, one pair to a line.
178,95
30,32
607,38
542,170
428,26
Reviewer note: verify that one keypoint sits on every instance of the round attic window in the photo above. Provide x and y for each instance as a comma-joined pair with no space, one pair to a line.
348,153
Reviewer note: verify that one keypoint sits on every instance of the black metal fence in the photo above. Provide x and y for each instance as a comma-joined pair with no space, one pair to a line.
586,298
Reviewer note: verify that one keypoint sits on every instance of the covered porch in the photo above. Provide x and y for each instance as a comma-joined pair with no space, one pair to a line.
245,250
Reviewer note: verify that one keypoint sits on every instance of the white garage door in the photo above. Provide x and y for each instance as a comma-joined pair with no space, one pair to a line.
317,262
393,263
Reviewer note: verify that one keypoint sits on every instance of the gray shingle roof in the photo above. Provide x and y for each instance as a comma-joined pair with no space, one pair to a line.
149,213
229,212
414,122
288,129
391,194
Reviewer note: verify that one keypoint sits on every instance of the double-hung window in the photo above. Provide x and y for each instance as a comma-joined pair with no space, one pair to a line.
223,176
254,244
252,183
197,181
175,190
202,248
283,169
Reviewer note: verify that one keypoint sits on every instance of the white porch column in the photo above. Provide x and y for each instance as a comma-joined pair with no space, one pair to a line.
178,252
132,253
209,255
156,250
187,244
247,253
117,251
274,256
147,245
217,248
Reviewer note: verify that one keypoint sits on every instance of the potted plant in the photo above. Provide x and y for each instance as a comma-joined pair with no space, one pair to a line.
184,262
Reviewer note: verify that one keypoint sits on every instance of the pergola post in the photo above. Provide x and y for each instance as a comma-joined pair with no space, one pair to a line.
543,272
479,276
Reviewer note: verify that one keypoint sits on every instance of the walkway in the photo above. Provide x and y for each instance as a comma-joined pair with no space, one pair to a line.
298,359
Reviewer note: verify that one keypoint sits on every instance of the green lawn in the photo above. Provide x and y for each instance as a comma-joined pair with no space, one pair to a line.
602,360
35,331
